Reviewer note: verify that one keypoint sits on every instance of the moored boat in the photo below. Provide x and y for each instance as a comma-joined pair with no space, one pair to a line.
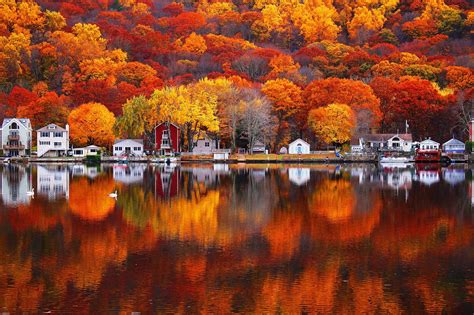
394,159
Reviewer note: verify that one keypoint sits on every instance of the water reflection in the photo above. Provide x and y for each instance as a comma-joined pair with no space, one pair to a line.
15,183
238,238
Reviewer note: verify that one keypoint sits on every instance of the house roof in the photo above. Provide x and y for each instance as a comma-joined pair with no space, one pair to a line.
299,140
355,141
429,141
165,123
453,142
381,137
24,121
258,143
56,128
140,141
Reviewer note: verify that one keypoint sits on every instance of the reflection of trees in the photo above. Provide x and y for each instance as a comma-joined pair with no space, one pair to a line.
89,199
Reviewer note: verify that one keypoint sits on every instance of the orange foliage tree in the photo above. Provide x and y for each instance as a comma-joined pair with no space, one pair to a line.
91,123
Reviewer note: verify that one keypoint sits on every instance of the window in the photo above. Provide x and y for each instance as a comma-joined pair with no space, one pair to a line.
45,143
58,134
118,148
136,149
14,126
57,144
165,142
206,144
78,152
44,134
165,132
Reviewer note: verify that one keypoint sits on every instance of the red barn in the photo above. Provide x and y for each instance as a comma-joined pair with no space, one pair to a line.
167,138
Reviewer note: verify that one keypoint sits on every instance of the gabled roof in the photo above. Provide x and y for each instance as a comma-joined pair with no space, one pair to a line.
299,140
453,142
56,128
140,141
23,121
258,143
403,136
165,123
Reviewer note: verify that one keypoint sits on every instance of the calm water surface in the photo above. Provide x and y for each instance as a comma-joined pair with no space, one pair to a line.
251,239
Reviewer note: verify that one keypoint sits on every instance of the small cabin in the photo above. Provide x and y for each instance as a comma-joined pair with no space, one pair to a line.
205,145
454,146
299,146
83,152
258,147
167,138
128,147
429,145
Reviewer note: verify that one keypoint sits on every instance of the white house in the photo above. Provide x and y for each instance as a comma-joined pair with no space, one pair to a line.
83,152
429,145
16,134
454,146
258,147
52,181
299,146
128,147
383,142
52,140
206,145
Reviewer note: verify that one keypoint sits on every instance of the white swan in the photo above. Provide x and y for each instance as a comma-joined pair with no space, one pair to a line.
31,193
113,195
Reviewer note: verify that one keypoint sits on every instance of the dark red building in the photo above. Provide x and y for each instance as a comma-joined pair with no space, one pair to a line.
167,138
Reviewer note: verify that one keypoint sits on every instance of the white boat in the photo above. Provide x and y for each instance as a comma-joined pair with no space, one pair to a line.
394,159
167,160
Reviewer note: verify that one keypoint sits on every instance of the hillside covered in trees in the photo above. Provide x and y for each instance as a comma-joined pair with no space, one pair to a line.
268,70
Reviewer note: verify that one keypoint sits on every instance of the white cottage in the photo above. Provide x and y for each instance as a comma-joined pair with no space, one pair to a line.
16,134
52,140
299,146
129,147
429,145
83,152
206,145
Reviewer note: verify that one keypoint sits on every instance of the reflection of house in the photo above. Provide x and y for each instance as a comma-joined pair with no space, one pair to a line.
206,146
52,140
383,142
15,183
167,181
53,181
167,138
129,174
83,152
129,147
299,176
454,176
399,179
454,146
16,136
428,177
299,146
83,170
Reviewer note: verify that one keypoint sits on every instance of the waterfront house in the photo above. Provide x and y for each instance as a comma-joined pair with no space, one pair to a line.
16,135
167,138
453,146
383,142
429,145
52,141
206,146
299,146
128,147
83,152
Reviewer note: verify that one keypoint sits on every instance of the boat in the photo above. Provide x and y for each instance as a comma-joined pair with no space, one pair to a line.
394,160
428,156
167,160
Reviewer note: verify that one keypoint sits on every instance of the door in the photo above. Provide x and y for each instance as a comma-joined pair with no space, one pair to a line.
299,149
128,150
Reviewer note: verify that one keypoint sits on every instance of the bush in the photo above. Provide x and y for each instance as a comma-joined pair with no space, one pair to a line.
469,146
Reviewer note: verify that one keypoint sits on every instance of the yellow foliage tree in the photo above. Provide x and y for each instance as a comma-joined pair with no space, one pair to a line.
333,123
91,123
316,21
195,44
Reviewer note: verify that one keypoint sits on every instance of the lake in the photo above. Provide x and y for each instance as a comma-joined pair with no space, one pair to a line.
237,238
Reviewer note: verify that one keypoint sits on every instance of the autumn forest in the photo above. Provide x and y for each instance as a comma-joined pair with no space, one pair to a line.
239,70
